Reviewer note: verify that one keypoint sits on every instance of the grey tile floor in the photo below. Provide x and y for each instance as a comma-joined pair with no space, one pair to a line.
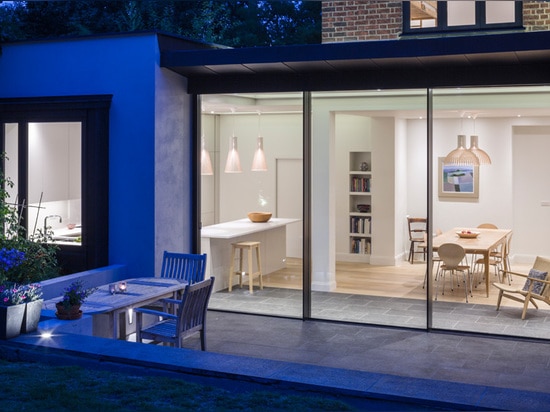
445,356
410,313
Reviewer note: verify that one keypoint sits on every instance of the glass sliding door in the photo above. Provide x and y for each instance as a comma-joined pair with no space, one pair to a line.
510,124
252,161
369,172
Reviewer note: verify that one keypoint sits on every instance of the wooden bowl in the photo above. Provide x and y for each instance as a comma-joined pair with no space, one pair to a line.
259,217
471,235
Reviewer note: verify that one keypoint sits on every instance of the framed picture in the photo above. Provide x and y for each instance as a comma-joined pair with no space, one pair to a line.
458,181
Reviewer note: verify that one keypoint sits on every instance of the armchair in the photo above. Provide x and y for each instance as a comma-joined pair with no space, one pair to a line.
536,287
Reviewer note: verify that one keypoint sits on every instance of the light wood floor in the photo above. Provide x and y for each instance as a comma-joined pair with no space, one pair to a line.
402,281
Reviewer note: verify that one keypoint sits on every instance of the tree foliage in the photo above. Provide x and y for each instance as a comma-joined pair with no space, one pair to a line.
232,23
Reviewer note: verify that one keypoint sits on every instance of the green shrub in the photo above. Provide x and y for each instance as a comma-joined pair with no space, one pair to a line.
40,257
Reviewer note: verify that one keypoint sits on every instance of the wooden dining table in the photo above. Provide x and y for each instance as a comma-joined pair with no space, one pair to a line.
483,244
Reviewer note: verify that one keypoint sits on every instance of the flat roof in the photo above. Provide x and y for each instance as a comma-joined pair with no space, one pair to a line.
499,59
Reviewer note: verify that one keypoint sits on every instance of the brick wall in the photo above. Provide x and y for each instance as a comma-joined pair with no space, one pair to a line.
383,20
361,20
536,15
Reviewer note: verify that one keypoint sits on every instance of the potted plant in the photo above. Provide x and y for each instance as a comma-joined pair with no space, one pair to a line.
73,297
33,307
20,308
20,305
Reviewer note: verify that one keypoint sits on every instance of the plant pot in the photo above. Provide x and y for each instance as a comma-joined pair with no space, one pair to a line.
33,311
11,320
70,313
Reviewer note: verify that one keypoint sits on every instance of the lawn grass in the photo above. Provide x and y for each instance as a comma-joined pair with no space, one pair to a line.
39,387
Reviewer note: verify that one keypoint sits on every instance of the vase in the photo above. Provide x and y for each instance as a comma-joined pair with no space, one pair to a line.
71,313
33,310
11,320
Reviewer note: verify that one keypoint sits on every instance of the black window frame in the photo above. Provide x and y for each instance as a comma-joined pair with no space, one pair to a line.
443,27
93,113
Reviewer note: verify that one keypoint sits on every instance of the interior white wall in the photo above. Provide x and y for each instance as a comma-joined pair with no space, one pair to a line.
240,193
383,191
531,192
352,134
404,182
513,169
209,183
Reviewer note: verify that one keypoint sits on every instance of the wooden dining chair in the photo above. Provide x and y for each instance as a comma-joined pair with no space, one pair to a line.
190,317
451,255
474,256
496,260
487,226
417,229
435,256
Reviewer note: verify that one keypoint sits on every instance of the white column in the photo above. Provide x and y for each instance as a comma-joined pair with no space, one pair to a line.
323,203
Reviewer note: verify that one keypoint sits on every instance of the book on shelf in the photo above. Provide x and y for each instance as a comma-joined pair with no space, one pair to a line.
360,246
360,225
360,184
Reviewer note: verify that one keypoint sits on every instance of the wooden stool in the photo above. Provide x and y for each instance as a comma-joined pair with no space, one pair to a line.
249,246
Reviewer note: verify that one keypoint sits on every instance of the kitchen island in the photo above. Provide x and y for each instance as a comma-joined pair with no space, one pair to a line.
216,243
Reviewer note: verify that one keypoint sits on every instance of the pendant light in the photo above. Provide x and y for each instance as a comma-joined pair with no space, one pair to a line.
206,163
233,163
481,155
461,156
259,163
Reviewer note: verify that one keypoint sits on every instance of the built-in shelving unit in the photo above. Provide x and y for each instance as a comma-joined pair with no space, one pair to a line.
360,205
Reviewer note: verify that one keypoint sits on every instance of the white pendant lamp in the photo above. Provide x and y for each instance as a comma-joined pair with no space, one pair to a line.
461,156
481,155
206,163
259,163
233,163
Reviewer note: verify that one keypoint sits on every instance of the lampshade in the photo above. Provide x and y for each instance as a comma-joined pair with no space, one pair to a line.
481,155
206,163
258,163
461,155
233,163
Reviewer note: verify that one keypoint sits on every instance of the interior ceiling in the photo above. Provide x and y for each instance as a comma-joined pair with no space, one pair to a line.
521,104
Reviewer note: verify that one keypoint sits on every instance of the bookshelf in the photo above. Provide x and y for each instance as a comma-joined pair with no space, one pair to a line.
360,205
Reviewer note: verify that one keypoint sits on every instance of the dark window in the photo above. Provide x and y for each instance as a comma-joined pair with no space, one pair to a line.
466,15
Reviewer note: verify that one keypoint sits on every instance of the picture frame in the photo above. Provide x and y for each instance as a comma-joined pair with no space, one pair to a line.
458,181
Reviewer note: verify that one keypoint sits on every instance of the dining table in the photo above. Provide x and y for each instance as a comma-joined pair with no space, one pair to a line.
112,303
482,244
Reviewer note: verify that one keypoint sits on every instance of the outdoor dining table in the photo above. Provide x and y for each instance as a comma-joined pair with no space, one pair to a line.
139,292
483,244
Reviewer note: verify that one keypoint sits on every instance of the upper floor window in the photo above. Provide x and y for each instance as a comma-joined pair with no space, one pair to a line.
445,16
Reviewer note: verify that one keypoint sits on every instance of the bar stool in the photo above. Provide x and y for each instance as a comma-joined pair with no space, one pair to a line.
248,246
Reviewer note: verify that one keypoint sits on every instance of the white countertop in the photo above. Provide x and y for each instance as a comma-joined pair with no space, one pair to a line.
236,228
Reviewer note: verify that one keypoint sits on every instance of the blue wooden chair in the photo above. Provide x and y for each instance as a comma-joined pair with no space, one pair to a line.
183,266
186,267
189,318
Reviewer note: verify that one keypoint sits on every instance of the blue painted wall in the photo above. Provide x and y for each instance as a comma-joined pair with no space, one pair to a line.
124,66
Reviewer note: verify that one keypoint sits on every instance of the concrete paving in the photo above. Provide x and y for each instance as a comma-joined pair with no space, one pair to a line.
421,369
